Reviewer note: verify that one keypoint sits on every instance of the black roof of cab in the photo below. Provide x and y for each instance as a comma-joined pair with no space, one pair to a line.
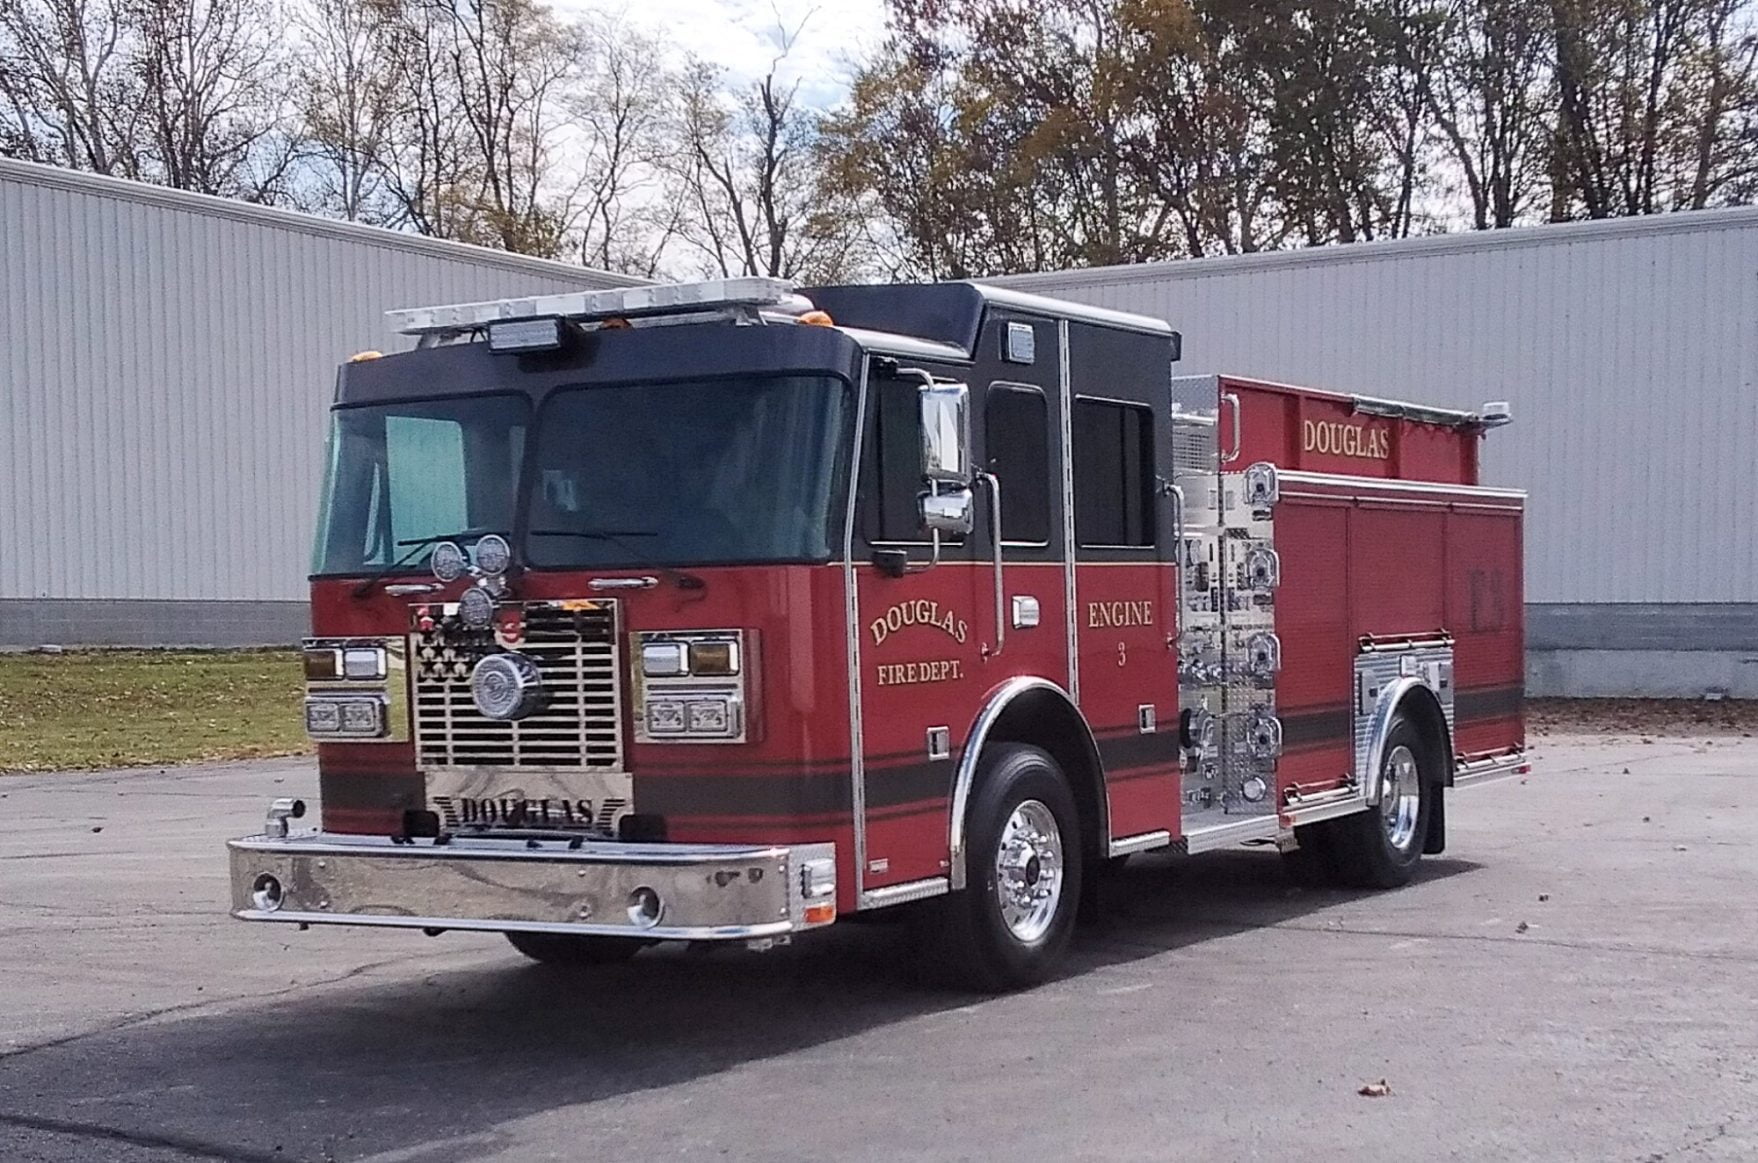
643,354
953,313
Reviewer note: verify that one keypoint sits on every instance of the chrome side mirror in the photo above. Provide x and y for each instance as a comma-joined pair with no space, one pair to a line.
949,513
946,434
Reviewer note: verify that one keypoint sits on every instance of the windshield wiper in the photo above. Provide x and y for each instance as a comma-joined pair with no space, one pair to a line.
417,544
684,581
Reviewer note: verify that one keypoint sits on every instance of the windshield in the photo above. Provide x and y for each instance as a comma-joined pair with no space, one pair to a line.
688,473
673,474
406,472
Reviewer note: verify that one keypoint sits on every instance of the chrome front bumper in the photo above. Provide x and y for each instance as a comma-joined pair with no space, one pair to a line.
704,891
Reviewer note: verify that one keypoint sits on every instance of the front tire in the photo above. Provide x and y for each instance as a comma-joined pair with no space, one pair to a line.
572,952
1380,848
1011,925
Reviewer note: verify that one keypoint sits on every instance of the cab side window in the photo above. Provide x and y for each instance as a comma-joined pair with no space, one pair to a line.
1016,436
1113,474
891,463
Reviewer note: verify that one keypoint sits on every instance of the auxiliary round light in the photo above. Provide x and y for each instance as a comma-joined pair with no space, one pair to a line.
492,555
646,907
266,893
447,561
476,608
506,686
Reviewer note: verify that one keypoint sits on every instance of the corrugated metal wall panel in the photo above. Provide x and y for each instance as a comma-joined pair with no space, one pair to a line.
168,362
1626,349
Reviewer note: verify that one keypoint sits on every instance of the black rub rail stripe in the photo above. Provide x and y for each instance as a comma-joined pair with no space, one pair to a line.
1309,728
1138,750
1488,702
796,793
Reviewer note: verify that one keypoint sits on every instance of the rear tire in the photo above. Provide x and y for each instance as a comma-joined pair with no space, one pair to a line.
1011,925
572,952
1381,847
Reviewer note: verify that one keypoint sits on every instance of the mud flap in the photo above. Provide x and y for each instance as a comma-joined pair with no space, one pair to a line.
1435,842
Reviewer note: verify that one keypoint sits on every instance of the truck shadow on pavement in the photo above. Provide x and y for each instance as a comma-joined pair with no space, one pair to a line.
429,1065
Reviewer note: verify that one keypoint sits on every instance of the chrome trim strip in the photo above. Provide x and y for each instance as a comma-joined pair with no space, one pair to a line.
1066,420
1123,846
909,346
1377,484
966,776
471,924
1380,725
852,618
897,894
1325,805
1488,770
1388,645
1233,832
469,848
1066,309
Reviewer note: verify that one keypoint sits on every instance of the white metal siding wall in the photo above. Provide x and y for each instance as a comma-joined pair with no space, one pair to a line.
167,369
1627,350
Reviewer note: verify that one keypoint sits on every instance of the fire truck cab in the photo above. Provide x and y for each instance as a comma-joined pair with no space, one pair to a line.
720,611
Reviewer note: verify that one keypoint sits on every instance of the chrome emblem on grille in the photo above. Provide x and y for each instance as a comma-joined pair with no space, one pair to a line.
506,686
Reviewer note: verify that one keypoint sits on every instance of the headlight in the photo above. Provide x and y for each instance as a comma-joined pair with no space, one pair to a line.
352,717
322,664
363,662
714,658
707,716
357,689
323,716
691,686
664,659
665,717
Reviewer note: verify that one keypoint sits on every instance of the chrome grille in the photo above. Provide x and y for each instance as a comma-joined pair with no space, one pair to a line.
579,726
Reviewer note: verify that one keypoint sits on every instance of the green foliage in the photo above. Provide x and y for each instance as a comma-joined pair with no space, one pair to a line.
121,708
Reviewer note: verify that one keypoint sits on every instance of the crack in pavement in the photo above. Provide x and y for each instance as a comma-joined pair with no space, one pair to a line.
195,1148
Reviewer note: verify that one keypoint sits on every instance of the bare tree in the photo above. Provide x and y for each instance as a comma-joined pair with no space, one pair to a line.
746,171
213,99
619,114
1489,93
67,94
511,62
347,99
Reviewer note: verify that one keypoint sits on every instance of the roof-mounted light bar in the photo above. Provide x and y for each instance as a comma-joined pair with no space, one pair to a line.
747,296
1493,414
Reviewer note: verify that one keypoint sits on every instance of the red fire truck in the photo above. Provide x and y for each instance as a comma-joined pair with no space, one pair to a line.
720,611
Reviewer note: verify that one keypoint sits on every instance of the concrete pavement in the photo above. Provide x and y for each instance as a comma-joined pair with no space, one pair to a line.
1220,1013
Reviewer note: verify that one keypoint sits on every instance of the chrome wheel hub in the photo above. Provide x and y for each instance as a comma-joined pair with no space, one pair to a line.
1400,797
1029,870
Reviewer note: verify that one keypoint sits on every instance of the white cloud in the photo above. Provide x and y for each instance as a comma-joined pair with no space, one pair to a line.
744,36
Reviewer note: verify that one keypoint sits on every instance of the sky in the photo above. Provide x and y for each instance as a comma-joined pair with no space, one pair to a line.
743,36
